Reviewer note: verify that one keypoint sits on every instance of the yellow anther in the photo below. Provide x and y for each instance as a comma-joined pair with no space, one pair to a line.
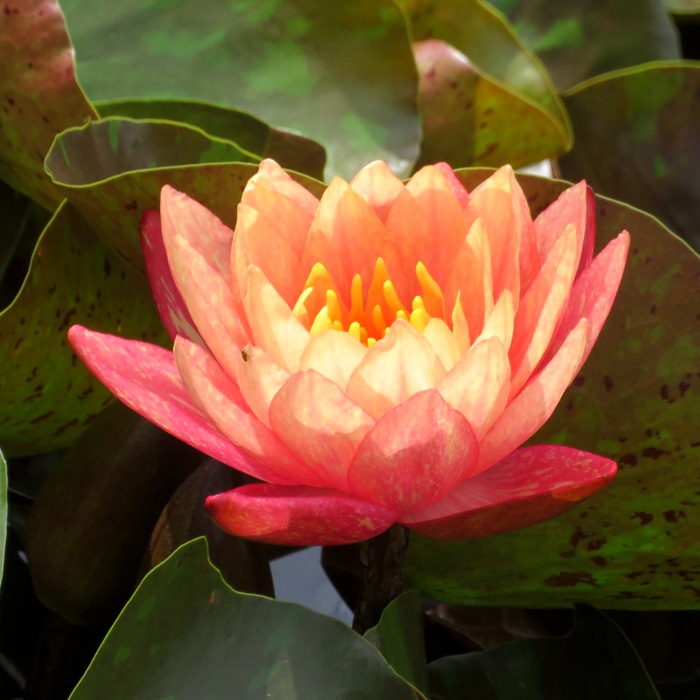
321,323
357,305
300,310
417,303
378,320
402,315
338,326
333,306
355,330
318,274
375,293
392,298
371,342
433,298
419,319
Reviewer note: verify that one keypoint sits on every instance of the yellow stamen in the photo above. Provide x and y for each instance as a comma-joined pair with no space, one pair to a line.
378,320
318,275
333,307
357,306
402,315
419,319
392,298
371,342
432,294
321,323
355,331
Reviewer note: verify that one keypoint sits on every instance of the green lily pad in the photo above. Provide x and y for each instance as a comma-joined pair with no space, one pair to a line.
3,511
342,74
579,40
38,92
594,661
48,396
637,140
683,7
186,635
289,149
479,32
471,120
637,400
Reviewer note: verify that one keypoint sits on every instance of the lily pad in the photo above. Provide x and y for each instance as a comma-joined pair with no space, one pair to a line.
683,7
594,661
637,400
339,73
289,149
186,635
38,92
479,32
3,511
637,140
579,40
48,396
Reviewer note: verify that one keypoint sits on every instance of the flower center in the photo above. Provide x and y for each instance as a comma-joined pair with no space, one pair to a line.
320,307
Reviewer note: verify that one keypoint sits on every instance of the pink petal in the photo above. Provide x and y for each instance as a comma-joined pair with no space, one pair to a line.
457,187
333,354
378,186
593,294
532,484
395,367
320,424
145,378
536,402
220,399
273,325
298,515
414,455
169,302
478,385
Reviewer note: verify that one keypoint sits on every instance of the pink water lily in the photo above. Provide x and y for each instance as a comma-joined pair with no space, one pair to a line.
378,356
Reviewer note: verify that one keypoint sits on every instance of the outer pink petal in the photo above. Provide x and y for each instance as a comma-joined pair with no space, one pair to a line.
320,424
221,400
414,455
478,385
532,484
274,327
396,367
378,186
169,302
457,187
333,354
298,515
536,402
593,294
145,378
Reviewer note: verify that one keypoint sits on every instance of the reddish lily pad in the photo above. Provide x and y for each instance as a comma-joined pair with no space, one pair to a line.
185,634
48,396
637,401
579,40
339,73
637,140
38,93
479,32
289,149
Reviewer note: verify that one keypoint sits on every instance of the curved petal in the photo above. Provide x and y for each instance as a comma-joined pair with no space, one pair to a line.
297,515
378,186
333,354
478,385
534,405
320,424
145,378
221,400
395,367
532,484
414,455
460,192
169,302
444,342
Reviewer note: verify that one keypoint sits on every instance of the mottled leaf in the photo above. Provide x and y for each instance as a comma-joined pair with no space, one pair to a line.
637,140
471,119
488,41
637,400
289,149
342,74
579,40
38,93
48,396
186,635
594,661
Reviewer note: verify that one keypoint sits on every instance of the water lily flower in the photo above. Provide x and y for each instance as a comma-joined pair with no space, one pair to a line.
375,357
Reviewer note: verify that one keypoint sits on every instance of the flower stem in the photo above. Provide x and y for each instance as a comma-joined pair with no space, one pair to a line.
382,576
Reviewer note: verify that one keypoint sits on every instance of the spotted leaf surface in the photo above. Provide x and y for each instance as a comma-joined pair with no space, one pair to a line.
636,401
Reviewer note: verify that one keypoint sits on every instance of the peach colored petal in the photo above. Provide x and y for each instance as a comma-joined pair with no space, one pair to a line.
220,399
499,323
593,294
259,241
456,186
414,455
532,484
333,354
478,385
273,325
298,515
145,378
534,405
542,307
378,186
444,342
320,424
396,367
346,236
169,302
